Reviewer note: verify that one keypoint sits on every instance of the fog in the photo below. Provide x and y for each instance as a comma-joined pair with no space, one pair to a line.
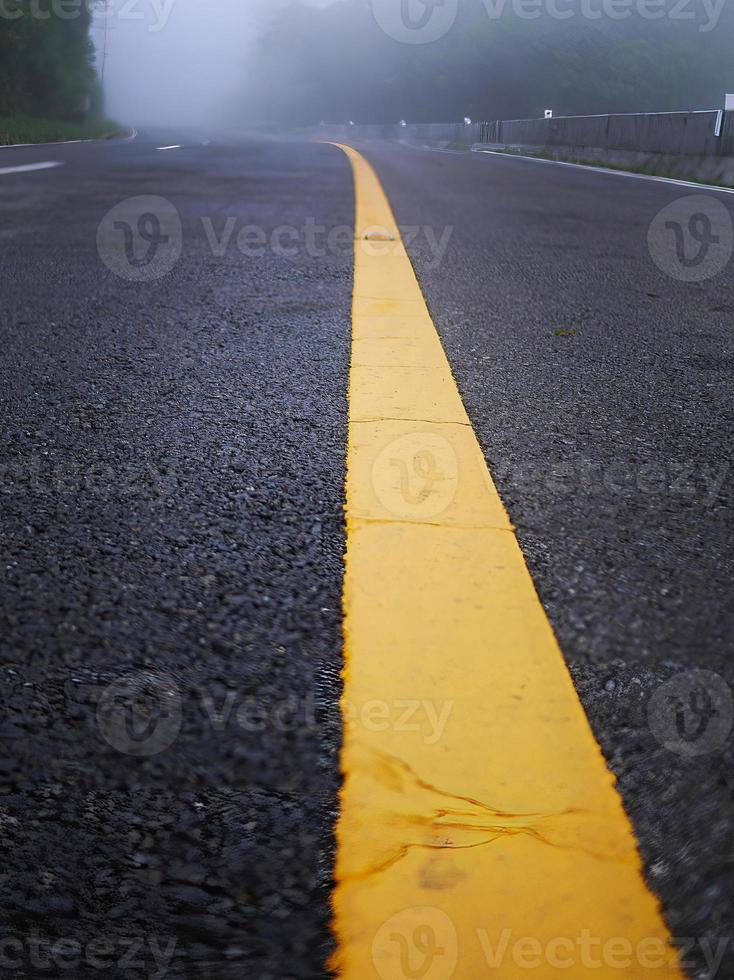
299,61
176,61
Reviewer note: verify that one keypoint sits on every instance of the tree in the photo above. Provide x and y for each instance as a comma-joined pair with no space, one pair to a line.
46,61
335,64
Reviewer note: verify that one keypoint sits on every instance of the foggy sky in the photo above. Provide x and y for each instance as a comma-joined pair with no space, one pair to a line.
175,61
178,62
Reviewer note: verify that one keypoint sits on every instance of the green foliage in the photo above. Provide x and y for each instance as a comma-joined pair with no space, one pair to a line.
46,61
31,129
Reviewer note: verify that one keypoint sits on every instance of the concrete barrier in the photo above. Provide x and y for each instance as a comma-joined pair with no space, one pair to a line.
695,145
691,145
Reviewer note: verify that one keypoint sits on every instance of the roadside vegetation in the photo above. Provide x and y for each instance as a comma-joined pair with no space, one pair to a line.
49,88
334,63
28,129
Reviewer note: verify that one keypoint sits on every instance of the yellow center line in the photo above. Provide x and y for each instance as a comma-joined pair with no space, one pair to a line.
480,833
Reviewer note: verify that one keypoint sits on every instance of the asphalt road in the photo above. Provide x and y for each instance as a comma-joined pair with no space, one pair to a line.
172,513
172,470
600,388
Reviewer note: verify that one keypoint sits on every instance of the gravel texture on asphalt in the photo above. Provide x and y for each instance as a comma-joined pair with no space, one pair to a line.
172,537
172,531
601,390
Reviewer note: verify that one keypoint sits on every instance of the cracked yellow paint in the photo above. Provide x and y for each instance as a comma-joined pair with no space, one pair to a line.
481,833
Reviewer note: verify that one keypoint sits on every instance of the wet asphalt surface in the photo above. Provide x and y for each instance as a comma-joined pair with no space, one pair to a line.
171,536
173,462
602,392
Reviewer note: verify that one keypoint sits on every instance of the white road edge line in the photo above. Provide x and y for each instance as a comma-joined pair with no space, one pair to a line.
28,167
176,146
13,146
612,172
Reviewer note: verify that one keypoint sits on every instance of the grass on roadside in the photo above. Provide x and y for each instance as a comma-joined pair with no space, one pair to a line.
27,129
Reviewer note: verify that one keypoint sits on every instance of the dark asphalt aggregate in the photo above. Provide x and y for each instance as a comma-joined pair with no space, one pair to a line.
172,531
602,393
172,473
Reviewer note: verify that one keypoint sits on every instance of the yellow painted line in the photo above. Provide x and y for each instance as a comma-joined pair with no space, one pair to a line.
480,832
